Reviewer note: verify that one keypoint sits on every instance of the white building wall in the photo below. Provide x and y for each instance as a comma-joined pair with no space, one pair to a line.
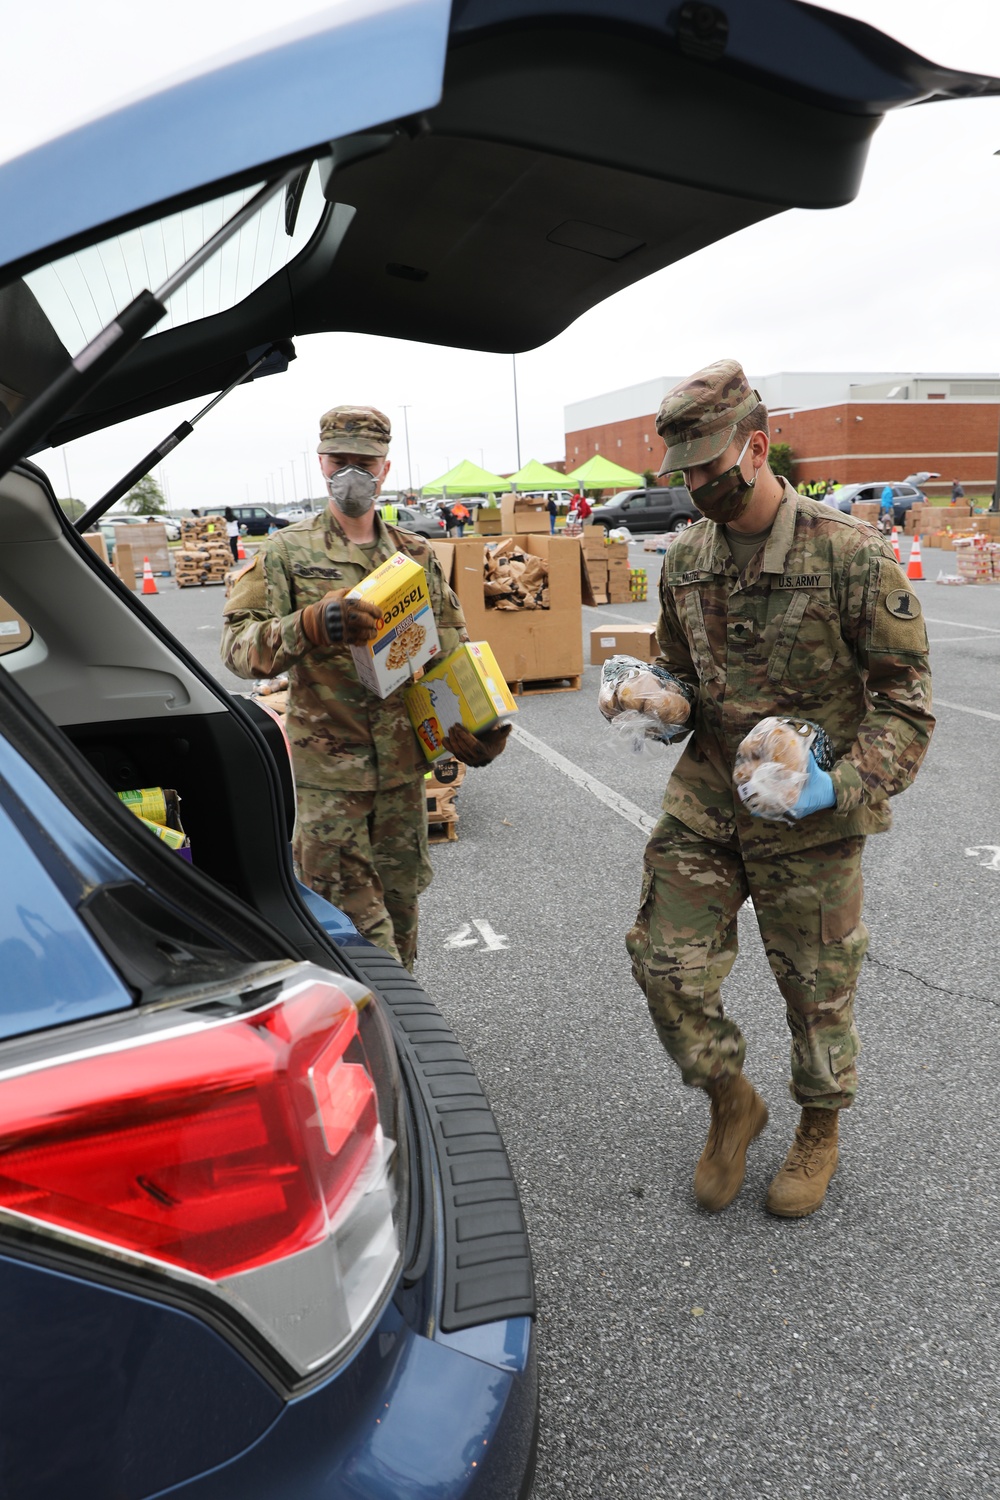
792,390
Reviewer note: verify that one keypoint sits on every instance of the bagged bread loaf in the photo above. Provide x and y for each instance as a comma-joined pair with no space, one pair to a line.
772,763
643,701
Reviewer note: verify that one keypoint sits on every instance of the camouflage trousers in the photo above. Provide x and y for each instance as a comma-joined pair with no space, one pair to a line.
684,943
366,852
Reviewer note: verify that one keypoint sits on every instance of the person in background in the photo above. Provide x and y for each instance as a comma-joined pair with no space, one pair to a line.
553,510
460,515
957,492
886,511
232,532
583,507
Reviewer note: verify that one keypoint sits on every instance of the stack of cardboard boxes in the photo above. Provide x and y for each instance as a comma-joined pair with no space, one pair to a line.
619,574
595,558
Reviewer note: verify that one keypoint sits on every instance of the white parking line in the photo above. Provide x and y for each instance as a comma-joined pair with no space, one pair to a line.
940,640
957,625
606,794
962,708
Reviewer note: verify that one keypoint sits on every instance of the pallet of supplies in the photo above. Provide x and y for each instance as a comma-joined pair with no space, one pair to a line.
465,687
638,585
407,636
441,788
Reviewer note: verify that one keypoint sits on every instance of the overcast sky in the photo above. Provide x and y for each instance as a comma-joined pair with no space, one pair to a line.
905,278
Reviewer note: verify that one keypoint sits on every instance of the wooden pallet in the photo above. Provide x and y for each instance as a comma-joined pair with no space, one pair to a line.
443,833
524,687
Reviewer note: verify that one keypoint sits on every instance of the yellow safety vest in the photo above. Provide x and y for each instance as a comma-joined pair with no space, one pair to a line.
390,514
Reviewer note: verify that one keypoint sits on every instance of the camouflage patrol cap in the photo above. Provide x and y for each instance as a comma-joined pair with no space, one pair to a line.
354,429
698,418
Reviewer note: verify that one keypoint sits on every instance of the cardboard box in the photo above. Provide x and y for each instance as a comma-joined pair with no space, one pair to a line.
529,645
407,637
15,631
96,542
148,540
489,521
519,517
865,510
125,563
639,641
617,552
464,687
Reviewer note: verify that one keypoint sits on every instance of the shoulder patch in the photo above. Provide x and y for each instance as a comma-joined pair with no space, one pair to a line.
895,618
249,588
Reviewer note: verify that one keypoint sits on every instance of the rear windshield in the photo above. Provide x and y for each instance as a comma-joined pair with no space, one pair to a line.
83,292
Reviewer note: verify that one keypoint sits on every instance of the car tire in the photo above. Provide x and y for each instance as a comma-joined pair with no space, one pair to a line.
679,523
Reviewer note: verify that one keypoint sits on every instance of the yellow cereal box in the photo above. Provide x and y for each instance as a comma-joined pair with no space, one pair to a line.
407,637
464,687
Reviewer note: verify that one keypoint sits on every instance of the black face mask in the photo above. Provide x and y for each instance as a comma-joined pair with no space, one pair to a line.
725,498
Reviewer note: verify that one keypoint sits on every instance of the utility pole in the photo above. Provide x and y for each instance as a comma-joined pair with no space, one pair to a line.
517,420
69,492
305,471
281,471
409,471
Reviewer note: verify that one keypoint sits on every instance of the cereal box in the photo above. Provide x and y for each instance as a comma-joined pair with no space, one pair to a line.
407,637
464,687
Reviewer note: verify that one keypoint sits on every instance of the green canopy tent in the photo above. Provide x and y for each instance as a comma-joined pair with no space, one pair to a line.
536,476
466,478
599,473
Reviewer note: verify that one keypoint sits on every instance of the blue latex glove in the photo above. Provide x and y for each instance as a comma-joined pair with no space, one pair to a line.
817,793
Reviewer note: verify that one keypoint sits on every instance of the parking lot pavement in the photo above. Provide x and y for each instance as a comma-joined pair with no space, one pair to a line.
686,1354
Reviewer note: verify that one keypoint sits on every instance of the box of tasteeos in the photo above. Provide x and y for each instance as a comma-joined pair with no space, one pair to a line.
464,687
407,636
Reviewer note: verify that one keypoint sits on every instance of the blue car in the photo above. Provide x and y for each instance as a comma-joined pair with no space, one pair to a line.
259,1235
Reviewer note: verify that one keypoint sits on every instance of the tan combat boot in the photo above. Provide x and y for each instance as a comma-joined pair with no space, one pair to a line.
801,1185
739,1115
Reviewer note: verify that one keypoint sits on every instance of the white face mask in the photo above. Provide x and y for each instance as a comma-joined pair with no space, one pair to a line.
352,490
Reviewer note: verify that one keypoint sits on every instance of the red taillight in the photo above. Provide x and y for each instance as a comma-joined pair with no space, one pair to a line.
219,1147
192,1149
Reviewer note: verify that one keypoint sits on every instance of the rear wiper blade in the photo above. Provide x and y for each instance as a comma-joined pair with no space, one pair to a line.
32,425
279,355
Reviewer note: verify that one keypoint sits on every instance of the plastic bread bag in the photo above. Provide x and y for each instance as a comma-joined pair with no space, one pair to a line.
644,702
772,763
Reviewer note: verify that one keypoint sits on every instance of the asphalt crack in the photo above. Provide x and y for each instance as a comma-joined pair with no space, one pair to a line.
940,989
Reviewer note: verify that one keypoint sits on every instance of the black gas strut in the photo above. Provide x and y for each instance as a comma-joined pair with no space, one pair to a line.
277,354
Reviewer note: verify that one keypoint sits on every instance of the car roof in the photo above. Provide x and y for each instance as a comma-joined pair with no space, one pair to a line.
445,209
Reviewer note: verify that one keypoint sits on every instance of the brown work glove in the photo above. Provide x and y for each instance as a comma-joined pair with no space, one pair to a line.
476,749
338,619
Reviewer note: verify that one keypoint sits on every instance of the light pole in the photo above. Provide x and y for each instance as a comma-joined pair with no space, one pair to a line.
409,471
281,471
305,471
517,420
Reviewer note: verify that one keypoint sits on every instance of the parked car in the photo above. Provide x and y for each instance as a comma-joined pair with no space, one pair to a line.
903,496
660,508
422,524
258,1232
254,520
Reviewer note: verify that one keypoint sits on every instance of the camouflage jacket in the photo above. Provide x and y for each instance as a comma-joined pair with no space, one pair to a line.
342,736
807,629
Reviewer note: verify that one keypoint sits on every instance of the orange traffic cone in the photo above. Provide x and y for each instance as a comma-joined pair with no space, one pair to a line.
895,544
914,568
148,581
240,550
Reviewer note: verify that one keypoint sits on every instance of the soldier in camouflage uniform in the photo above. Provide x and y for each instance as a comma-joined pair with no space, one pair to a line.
361,819
773,605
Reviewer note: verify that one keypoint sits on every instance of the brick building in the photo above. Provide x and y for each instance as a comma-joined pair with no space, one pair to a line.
851,428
